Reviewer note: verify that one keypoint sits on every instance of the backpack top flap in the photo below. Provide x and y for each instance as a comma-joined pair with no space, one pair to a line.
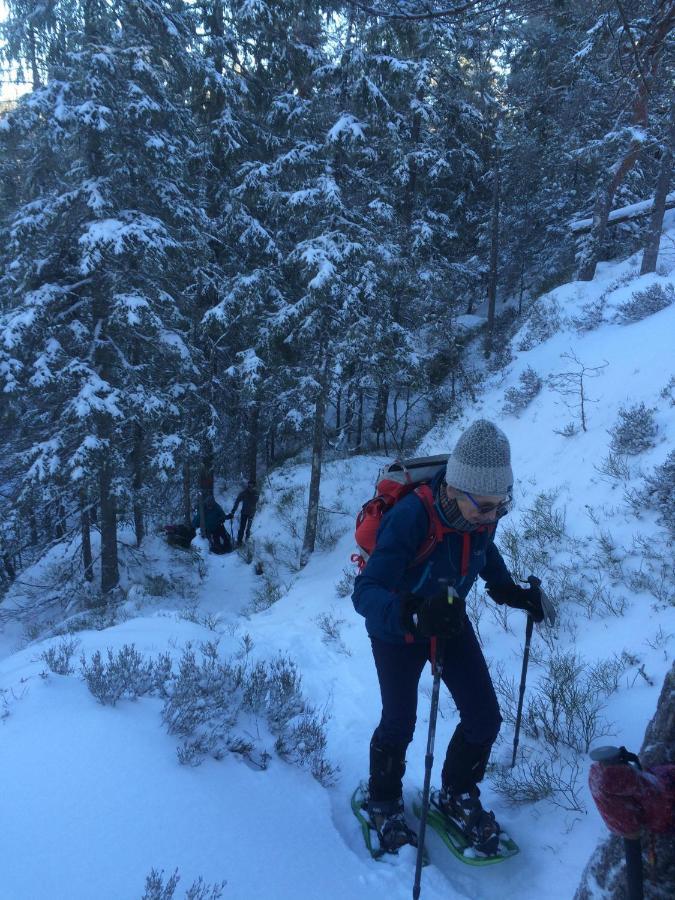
412,471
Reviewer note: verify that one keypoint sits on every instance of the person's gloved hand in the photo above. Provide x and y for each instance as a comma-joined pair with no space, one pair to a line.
441,615
518,597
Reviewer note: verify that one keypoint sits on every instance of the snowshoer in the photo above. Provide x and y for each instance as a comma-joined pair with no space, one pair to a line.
214,519
248,497
406,607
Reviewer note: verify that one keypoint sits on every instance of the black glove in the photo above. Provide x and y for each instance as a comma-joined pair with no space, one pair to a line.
518,597
441,615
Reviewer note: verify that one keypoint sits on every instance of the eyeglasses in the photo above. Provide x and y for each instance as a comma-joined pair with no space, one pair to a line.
486,509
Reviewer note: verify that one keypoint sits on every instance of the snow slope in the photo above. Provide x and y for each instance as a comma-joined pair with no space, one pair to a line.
94,797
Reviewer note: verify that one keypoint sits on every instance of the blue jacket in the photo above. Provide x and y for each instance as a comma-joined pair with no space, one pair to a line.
460,558
213,517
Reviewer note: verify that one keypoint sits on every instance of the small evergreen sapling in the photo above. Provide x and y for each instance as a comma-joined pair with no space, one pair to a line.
647,302
659,491
517,398
635,430
544,320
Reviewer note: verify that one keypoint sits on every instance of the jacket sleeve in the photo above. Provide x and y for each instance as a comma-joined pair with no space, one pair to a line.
237,502
494,572
400,535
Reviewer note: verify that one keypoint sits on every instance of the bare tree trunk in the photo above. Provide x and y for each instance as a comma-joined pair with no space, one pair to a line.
646,63
187,505
110,575
206,475
359,422
338,409
85,529
317,460
379,424
404,433
349,413
8,563
35,72
252,441
60,526
494,250
271,445
653,239
137,482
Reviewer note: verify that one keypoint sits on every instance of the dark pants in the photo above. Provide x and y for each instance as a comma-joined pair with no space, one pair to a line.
465,674
245,523
219,540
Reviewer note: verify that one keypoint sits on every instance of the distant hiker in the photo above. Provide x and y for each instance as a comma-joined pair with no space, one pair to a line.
248,497
407,612
214,519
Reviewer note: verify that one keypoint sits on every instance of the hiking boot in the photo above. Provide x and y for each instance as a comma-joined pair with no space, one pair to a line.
388,819
478,825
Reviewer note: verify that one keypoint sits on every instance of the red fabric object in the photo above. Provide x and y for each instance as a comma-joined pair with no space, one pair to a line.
370,516
631,801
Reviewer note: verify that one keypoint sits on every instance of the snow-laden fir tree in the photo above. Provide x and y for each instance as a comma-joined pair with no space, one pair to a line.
95,329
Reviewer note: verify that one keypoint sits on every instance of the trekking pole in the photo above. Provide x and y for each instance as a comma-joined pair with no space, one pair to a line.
550,616
523,675
437,666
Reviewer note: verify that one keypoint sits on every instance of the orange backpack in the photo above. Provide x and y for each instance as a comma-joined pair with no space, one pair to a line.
395,481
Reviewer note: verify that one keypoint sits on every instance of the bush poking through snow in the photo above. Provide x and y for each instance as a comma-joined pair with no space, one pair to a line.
58,658
647,302
269,593
330,625
563,714
542,522
517,398
668,392
554,779
659,491
345,584
566,709
330,527
543,321
156,889
592,314
635,430
209,698
125,674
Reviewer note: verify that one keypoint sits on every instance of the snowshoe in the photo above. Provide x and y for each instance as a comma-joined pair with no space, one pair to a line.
466,812
470,833
383,825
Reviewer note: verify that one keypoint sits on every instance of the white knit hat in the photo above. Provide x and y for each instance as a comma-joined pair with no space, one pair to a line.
481,461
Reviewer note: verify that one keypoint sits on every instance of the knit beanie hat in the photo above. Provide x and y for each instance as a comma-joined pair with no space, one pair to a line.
481,461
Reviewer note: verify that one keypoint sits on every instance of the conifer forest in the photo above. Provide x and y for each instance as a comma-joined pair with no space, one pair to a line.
234,232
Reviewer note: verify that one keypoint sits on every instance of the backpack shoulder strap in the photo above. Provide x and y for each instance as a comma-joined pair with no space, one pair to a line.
437,530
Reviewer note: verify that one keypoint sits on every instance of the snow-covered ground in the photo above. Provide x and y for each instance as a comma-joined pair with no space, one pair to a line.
93,796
